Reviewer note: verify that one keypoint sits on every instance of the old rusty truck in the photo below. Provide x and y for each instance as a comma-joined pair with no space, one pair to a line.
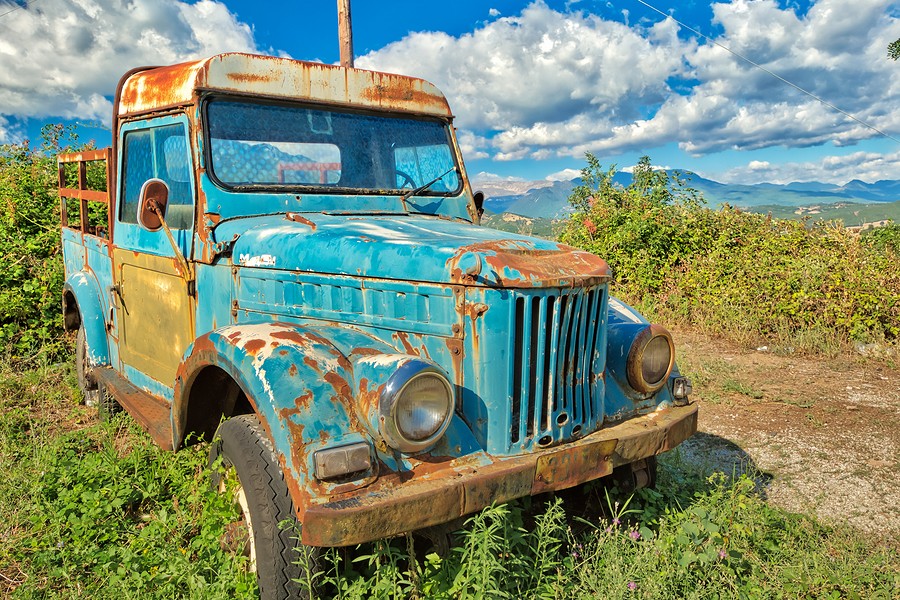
293,269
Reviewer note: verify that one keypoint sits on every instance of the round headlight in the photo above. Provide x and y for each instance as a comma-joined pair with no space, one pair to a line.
650,359
415,407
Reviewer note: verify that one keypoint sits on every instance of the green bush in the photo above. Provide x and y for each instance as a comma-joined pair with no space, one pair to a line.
735,273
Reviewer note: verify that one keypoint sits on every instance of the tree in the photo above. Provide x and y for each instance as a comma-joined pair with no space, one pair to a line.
894,50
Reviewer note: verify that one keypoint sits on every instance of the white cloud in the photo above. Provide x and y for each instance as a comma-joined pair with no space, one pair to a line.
62,58
494,12
866,166
5,135
541,66
485,177
564,175
547,83
630,168
471,145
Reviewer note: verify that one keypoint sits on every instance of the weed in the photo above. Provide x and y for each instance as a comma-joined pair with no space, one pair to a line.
739,387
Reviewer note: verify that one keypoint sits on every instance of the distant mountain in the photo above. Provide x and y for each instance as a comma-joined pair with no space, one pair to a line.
550,200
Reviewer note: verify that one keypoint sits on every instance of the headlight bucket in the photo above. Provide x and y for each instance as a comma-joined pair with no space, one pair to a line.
650,359
415,407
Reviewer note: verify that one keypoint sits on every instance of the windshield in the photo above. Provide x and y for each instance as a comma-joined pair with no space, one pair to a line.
255,145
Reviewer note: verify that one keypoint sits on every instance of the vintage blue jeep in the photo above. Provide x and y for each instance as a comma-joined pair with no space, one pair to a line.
293,259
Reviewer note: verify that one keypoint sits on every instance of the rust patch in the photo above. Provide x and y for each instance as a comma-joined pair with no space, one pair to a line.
157,88
291,336
301,405
301,219
339,384
309,362
292,371
249,78
301,495
367,400
403,338
455,346
514,263
396,89
365,352
283,352
254,346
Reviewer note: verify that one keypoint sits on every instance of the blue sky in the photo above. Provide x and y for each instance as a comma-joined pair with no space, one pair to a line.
534,84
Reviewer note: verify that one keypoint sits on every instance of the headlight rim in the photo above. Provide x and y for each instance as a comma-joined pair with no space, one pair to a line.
634,362
399,381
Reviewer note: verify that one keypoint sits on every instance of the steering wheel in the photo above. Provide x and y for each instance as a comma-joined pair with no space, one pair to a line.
407,180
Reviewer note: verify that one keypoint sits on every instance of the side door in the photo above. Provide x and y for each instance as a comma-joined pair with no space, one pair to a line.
156,304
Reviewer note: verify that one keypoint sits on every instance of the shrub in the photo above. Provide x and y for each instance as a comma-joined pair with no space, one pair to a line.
744,275
31,272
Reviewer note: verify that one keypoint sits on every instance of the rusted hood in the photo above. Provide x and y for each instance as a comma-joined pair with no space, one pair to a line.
408,248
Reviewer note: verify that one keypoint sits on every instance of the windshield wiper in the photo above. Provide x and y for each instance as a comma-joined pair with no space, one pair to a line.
424,187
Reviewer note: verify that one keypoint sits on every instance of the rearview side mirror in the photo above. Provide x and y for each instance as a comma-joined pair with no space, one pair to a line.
153,202
479,203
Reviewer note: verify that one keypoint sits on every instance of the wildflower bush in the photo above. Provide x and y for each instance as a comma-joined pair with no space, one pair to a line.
31,271
743,275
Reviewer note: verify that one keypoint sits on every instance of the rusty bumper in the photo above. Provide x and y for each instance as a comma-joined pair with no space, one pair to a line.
441,496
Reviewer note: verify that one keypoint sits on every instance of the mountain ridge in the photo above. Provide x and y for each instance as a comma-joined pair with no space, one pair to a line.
544,199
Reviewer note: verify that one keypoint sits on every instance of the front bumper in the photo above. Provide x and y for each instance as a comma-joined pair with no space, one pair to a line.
441,495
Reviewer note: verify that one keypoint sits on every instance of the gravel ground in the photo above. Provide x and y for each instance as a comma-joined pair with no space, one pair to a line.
821,436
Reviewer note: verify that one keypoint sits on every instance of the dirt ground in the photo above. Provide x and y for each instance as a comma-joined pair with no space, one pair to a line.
820,435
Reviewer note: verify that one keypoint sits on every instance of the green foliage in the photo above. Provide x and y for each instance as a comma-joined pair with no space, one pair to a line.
886,239
740,274
31,272
102,512
893,50
92,510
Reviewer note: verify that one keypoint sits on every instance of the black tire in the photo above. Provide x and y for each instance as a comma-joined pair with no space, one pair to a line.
95,395
280,561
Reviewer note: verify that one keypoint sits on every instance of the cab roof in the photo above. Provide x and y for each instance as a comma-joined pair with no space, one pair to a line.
159,88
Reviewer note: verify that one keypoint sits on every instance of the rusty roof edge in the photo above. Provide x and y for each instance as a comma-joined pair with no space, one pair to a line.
280,77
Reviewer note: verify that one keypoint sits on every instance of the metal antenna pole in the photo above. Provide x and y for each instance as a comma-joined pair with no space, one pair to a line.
345,32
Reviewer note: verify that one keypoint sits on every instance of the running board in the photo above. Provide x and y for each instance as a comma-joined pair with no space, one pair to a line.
151,413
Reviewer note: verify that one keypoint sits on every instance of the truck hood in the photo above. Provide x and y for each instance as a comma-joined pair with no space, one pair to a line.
408,248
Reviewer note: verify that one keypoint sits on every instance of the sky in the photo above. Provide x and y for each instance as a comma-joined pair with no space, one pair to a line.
534,84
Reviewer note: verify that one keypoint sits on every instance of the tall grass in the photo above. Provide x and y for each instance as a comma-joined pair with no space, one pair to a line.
94,510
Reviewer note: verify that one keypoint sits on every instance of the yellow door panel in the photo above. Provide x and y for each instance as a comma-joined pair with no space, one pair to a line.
156,316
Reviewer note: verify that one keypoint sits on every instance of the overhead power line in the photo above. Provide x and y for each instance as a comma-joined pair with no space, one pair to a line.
773,74
17,7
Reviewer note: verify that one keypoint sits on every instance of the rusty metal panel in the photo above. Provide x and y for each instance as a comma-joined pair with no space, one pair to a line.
570,466
456,488
160,87
156,317
165,87
150,412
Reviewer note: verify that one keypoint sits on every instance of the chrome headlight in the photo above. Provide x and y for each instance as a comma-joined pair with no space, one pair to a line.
415,407
650,359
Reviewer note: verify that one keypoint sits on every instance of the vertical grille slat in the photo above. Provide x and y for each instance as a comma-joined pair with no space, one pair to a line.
574,362
528,380
517,375
555,335
584,359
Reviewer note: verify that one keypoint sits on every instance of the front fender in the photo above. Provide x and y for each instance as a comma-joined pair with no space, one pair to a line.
85,289
300,385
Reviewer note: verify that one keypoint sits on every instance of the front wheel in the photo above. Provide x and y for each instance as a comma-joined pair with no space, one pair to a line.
276,555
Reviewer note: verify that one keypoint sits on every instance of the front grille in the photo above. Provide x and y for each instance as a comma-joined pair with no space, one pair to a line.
557,363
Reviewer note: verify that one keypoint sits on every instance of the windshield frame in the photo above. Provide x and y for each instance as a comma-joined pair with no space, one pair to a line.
318,189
